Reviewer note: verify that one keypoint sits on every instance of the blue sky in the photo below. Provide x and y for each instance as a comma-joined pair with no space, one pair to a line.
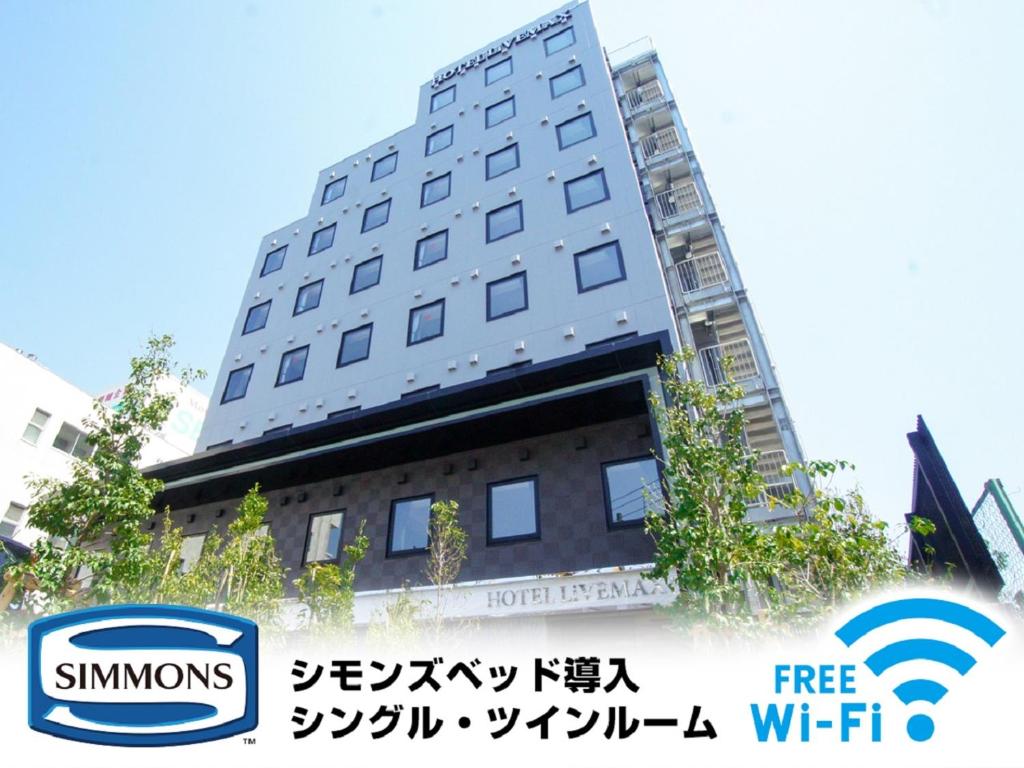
866,159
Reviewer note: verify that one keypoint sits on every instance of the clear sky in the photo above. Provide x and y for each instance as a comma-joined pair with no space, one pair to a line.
866,159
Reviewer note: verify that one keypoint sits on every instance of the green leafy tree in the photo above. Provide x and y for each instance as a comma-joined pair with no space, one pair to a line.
328,589
445,555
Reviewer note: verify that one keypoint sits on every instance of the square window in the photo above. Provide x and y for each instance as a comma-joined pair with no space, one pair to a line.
191,551
502,161
585,191
504,221
334,190
506,296
500,112
431,250
308,297
439,140
376,215
496,72
35,426
435,190
293,366
385,166
73,441
576,130
256,318
410,525
323,538
599,266
273,261
559,42
425,323
11,522
632,488
513,513
442,98
355,345
569,80
238,384
366,274
322,239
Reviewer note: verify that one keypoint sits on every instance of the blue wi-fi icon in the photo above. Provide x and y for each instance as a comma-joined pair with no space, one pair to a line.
920,727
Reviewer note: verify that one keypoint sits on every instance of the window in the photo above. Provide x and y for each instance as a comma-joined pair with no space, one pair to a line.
439,140
334,190
322,239
431,250
355,345
366,274
510,367
35,426
222,444
599,266
559,42
585,191
385,166
308,297
323,538
12,520
502,222
273,261
343,411
500,112
569,80
238,383
277,430
513,512
293,366
498,71
425,323
191,550
72,440
442,98
376,215
420,391
435,190
506,296
410,525
631,489
612,340
576,130
502,161
256,318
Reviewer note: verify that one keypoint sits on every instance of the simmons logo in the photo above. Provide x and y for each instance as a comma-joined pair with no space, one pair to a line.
142,675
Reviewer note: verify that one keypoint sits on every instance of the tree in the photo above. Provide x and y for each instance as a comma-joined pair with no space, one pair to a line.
446,553
329,590
726,570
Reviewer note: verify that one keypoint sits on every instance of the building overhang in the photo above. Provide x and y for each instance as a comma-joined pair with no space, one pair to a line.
598,385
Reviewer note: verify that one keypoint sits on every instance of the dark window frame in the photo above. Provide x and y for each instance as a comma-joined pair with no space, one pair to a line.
341,346
522,221
295,308
408,333
506,279
495,65
378,161
283,250
551,81
277,430
434,98
426,144
420,391
487,112
535,536
227,384
373,207
330,185
614,525
341,537
280,366
487,161
355,270
343,412
390,551
593,127
569,209
435,180
334,231
416,251
245,326
576,266
549,38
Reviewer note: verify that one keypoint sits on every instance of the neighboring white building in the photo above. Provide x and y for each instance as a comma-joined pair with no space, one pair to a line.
42,429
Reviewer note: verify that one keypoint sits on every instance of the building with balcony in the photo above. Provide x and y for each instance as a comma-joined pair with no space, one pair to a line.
472,309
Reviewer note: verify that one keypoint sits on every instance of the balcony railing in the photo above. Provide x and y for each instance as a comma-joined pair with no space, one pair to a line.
681,200
769,466
743,365
660,143
700,272
646,95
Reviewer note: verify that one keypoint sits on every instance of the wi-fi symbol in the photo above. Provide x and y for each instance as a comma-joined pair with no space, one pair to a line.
920,727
